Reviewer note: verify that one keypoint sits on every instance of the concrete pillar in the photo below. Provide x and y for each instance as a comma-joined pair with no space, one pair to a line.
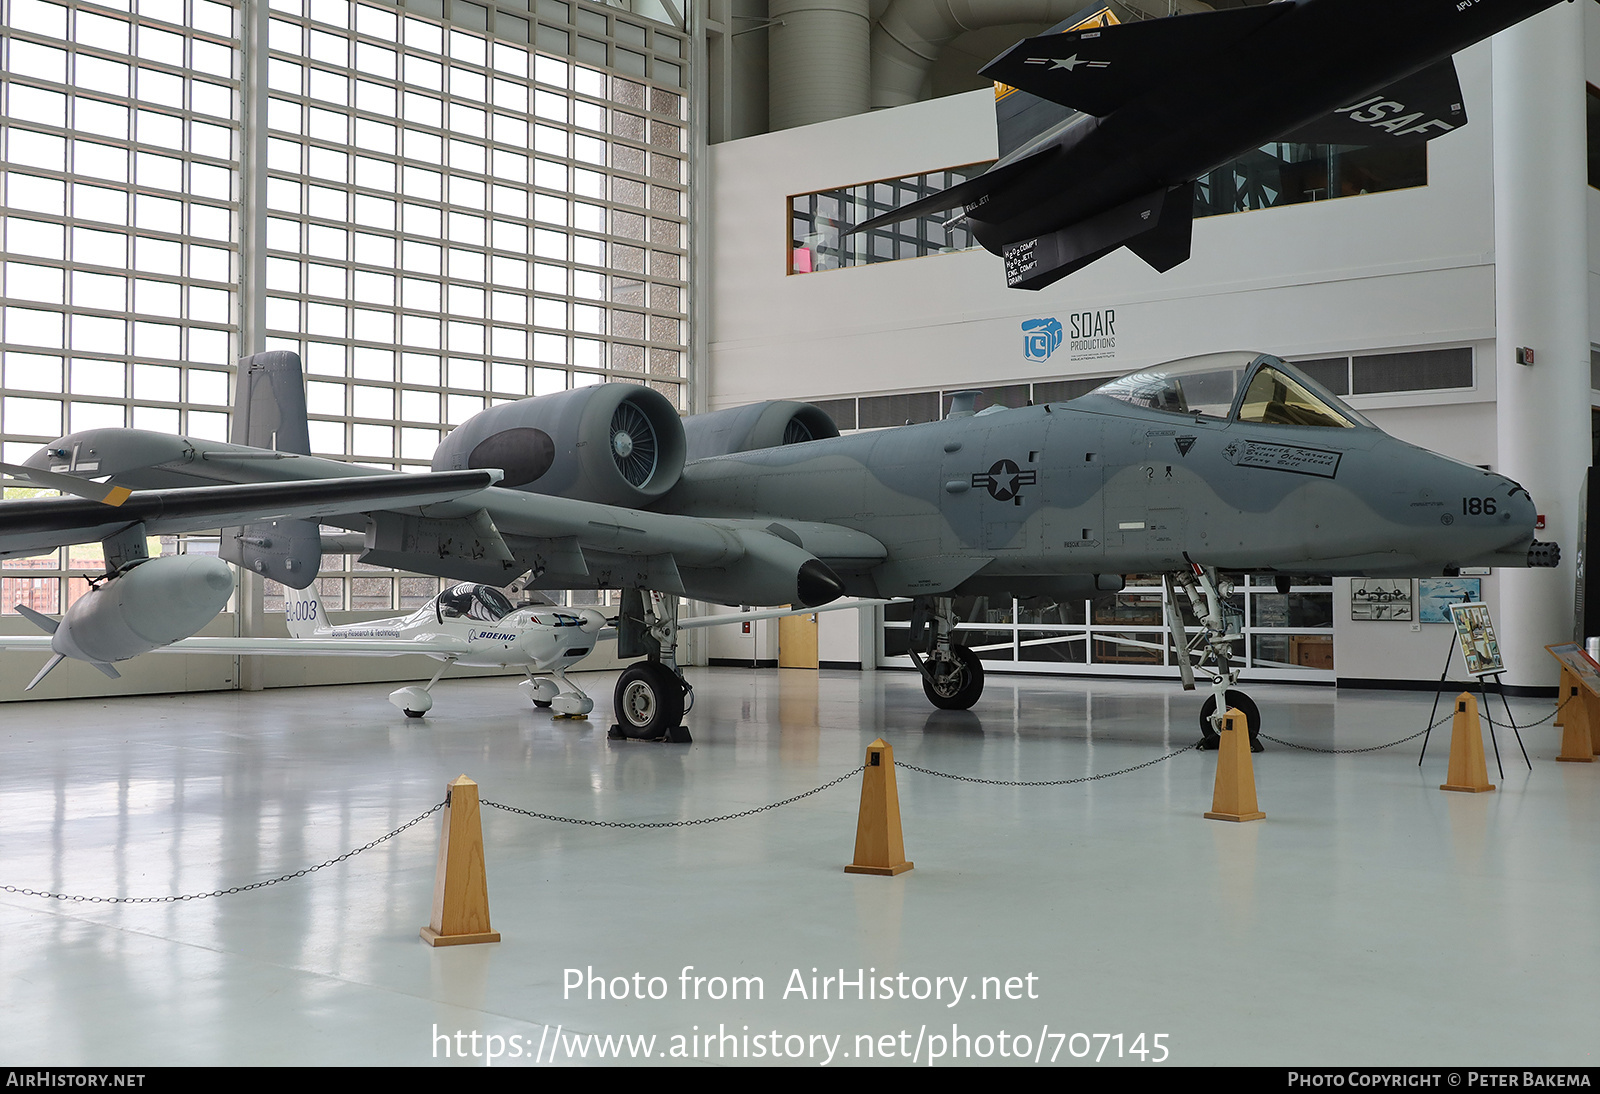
249,612
1541,302
817,61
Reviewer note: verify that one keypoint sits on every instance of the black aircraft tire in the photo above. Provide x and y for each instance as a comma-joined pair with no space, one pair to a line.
542,704
962,687
1237,700
415,713
648,701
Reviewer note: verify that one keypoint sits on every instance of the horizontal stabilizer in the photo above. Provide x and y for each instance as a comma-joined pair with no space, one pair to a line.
1422,106
38,619
69,484
1098,70
961,196
55,660
1156,227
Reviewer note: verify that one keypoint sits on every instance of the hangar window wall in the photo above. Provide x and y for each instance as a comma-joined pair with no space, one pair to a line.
119,168
455,221
451,220
1288,636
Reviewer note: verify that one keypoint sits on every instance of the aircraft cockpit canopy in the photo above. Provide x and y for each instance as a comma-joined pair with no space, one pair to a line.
1242,387
484,603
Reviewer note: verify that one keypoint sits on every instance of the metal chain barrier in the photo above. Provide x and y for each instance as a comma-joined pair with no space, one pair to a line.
223,892
1047,782
1528,725
1369,748
20,891
1375,748
852,773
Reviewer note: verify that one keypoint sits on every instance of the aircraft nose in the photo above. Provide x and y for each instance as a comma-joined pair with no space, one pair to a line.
1494,511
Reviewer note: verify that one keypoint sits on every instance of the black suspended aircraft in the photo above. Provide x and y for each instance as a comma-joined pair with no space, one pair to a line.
1105,127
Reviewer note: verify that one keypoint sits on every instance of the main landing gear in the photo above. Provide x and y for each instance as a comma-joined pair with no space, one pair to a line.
952,676
557,694
416,701
651,697
1208,596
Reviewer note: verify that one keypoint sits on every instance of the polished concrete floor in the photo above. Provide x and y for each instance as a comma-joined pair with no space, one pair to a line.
1371,918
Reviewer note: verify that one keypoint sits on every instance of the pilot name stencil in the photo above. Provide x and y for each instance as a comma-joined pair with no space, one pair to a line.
1283,457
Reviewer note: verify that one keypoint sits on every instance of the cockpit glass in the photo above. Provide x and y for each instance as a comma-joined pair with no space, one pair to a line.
1276,398
1208,387
1198,385
484,603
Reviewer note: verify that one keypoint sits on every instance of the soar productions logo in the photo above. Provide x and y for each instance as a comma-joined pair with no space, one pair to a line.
1040,338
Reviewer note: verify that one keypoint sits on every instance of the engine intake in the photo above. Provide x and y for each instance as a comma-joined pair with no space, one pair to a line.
759,425
618,444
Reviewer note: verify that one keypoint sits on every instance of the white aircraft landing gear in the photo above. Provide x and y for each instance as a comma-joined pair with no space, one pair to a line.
1208,596
557,694
651,696
415,701
952,676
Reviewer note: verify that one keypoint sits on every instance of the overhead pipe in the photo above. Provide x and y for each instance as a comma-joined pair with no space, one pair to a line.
817,61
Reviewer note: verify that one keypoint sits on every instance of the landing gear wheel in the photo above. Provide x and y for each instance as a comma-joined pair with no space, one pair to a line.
542,704
648,702
955,685
415,713
1237,700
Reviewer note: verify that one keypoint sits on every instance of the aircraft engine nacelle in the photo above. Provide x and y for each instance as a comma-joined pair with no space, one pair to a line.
144,608
759,425
617,444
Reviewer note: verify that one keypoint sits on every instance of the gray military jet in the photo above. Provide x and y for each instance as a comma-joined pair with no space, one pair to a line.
1104,128
1234,462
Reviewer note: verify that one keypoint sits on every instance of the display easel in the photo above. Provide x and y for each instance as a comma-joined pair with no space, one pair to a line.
1448,657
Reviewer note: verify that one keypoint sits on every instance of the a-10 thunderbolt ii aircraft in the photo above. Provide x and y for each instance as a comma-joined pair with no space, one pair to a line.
1228,463
1104,128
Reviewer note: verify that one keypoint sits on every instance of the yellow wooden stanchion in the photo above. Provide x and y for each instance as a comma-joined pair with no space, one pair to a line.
1233,798
1468,772
460,885
880,847
1577,725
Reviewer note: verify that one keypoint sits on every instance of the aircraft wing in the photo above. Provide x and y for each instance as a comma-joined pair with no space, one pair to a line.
338,647
493,536
1099,69
30,526
1423,105
960,196
235,647
571,543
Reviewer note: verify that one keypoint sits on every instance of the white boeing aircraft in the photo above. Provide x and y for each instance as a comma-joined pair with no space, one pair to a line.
472,625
